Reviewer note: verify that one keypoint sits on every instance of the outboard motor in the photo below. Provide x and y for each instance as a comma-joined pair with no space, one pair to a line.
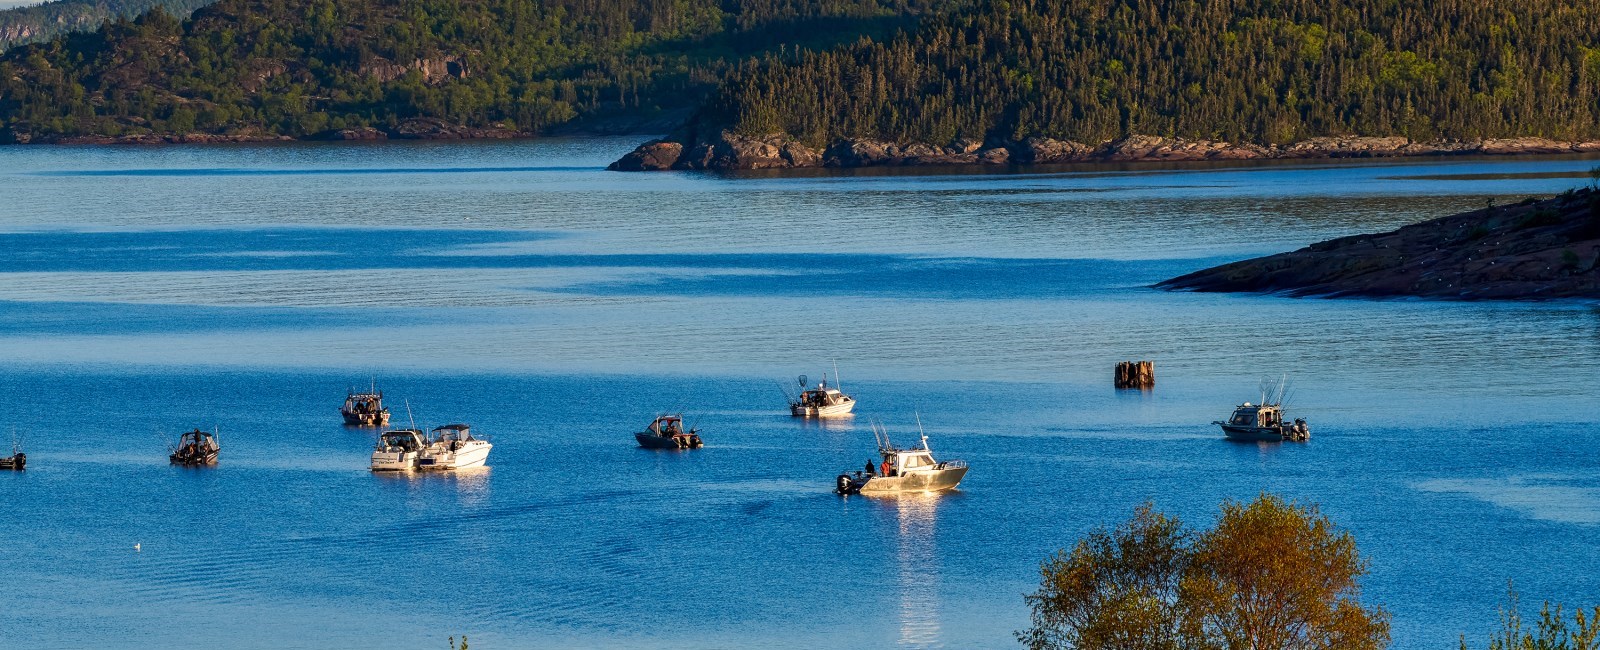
843,485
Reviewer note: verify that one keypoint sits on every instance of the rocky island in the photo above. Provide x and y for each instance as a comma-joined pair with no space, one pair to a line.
1534,250
723,149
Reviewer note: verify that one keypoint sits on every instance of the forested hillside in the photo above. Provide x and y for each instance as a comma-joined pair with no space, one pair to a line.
300,67
1259,71
48,20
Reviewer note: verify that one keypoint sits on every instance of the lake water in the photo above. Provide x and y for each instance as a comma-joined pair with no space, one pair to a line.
557,307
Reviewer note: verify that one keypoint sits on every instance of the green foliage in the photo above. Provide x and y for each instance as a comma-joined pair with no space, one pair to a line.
1265,71
299,67
45,21
1116,590
1551,632
1270,576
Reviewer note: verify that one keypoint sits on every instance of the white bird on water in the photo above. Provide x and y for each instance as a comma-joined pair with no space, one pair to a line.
136,547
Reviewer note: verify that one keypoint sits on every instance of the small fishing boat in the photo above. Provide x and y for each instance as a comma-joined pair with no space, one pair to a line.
453,447
195,448
666,432
365,409
902,470
1263,421
17,459
824,401
398,450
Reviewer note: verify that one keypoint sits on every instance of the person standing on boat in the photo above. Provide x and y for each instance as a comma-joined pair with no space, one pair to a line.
869,467
886,468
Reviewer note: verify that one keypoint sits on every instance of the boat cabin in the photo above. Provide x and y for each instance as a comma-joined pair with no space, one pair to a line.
667,425
1260,415
401,440
195,448
363,402
823,396
452,432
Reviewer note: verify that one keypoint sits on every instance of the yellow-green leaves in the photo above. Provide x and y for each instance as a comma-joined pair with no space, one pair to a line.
1271,575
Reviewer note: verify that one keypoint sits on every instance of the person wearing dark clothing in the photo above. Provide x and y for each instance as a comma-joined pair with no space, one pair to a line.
869,466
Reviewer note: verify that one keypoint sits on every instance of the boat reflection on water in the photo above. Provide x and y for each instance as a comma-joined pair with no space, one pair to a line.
916,565
470,485
827,425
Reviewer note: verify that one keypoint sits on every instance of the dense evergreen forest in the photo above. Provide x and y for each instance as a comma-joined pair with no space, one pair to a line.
45,21
300,67
1261,71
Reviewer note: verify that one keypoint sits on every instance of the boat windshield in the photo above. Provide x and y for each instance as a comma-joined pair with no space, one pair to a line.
1244,418
405,439
914,461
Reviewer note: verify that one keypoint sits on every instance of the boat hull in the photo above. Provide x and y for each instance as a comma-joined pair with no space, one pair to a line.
652,441
193,460
19,461
829,411
468,456
366,419
1257,434
932,481
394,461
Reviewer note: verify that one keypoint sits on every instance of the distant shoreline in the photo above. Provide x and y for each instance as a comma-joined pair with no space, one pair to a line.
724,150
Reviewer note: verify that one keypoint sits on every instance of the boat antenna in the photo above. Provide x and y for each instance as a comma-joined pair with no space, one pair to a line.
216,435
836,383
408,414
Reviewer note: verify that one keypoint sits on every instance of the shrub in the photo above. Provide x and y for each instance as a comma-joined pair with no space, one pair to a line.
1272,575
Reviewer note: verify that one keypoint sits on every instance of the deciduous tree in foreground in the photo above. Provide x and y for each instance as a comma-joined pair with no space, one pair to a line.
1272,575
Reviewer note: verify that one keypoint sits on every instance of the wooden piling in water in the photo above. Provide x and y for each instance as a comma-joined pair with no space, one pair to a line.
1135,374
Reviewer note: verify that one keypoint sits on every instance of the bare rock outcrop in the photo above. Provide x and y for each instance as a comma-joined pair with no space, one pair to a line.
1531,251
724,149
433,70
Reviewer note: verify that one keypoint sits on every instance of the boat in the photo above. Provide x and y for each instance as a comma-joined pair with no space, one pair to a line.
1263,421
824,401
365,409
666,432
452,447
398,450
195,448
902,470
17,459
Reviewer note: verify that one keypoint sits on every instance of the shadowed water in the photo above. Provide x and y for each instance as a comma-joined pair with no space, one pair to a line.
557,307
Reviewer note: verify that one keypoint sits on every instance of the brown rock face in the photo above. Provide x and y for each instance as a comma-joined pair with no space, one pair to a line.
1049,150
359,133
1524,145
650,156
1531,251
1345,147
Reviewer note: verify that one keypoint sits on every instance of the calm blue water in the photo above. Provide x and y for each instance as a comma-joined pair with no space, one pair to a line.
557,307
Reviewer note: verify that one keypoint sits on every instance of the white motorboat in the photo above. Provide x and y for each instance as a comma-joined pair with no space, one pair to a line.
398,450
902,470
824,401
453,447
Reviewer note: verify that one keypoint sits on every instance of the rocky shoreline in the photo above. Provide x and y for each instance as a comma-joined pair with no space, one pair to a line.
725,150
1535,250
